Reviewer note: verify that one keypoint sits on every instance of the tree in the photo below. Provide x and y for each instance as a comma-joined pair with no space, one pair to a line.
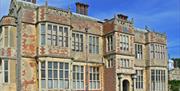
174,85
176,62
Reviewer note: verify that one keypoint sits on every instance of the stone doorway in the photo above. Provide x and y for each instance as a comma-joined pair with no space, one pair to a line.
125,85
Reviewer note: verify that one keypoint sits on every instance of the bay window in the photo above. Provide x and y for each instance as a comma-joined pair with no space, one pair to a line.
54,75
158,80
157,51
54,35
78,77
124,42
139,80
109,43
77,42
138,51
93,44
94,78
4,71
43,34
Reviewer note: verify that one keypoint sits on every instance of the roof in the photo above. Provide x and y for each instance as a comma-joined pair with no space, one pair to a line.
141,30
87,17
26,4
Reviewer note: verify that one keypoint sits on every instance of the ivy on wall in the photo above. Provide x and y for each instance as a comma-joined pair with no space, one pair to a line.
174,85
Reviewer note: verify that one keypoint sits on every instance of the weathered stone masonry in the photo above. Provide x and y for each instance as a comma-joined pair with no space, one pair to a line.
66,51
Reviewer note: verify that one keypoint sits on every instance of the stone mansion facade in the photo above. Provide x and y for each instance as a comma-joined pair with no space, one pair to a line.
46,48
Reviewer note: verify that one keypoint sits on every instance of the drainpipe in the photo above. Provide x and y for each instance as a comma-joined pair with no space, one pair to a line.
86,29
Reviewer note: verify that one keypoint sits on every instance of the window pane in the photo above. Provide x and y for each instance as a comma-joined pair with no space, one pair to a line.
61,65
6,76
66,31
66,41
49,36
55,74
5,65
43,39
43,29
66,74
43,83
61,85
61,74
43,73
61,41
97,44
77,76
6,36
82,76
66,66
43,65
49,73
49,64
61,36
50,84
66,84
55,83
78,84
55,65
73,41
49,27
55,39
90,44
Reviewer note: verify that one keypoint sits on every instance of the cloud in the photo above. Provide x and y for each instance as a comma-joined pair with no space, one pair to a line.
174,43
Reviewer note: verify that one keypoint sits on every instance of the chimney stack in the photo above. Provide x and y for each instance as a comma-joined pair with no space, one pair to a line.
34,1
123,17
82,8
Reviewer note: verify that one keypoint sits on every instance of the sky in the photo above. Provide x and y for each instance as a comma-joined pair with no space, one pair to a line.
160,15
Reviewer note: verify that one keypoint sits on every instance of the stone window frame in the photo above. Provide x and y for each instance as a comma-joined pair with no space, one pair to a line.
157,51
58,69
1,37
78,74
139,79
124,42
158,79
7,37
110,43
77,42
93,44
4,71
125,63
138,51
60,39
110,63
94,78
